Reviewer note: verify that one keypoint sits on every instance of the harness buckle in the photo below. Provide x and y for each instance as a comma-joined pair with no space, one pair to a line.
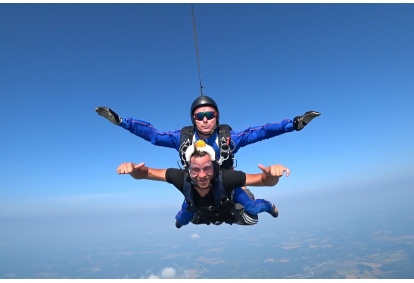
225,149
182,150
224,201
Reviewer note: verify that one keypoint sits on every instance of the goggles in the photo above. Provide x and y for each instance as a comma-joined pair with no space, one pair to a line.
208,169
208,114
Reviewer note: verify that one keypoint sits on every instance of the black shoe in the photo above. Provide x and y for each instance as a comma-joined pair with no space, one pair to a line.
274,213
108,114
178,225
299,122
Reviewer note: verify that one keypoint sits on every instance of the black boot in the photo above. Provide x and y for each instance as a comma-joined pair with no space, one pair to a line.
108,114
275,212
299,122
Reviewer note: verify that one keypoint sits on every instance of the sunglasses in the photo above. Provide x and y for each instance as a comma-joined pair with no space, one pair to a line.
208,114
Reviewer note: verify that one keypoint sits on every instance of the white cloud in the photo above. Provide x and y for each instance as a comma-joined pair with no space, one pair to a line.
195,236
168,273
171,273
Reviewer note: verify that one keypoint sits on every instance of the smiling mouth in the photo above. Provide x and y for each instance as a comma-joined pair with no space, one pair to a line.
204,187
202,182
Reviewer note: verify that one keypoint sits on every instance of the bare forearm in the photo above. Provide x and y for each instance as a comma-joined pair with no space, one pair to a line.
261,180
269,181
269,177
140,171
149,174
156,174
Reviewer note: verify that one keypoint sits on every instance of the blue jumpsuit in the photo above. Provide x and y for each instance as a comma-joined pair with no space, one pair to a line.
171,139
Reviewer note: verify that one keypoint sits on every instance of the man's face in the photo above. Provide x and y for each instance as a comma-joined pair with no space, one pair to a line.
201,116
202,171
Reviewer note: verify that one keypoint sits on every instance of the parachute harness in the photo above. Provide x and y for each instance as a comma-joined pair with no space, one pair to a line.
225,146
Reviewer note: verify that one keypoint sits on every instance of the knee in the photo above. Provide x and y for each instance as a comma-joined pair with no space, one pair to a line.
251,208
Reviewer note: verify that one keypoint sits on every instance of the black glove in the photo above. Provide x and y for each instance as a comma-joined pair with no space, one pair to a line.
299,122
108,114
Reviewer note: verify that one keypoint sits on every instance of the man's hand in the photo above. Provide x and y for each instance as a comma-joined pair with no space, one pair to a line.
108,114
299,122
275,170
138,171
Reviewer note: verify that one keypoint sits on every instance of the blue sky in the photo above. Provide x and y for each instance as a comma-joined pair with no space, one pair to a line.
261,63
64,209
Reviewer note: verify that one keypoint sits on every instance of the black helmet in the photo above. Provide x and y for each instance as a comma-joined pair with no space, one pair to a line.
203,101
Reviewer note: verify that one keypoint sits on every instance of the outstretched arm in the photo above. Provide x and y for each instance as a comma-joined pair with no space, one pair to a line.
269,177
258,133
142,129
140,171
